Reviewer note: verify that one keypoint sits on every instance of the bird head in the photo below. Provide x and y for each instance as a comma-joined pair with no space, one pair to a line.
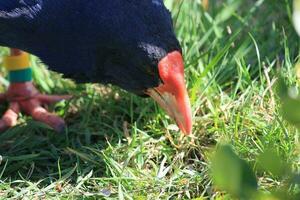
144,57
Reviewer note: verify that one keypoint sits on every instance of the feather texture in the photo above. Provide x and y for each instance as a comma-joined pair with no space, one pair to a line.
115,41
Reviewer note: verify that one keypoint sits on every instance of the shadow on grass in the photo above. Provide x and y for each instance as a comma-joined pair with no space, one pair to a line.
95,118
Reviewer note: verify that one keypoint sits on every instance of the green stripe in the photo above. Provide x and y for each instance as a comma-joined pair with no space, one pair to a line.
19,76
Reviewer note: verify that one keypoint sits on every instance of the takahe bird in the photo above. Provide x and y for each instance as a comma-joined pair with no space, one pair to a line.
128,43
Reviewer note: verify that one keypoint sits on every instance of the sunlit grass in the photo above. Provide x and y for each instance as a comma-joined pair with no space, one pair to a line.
118,145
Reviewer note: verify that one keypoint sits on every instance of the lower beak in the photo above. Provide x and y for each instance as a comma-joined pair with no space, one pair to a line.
172,95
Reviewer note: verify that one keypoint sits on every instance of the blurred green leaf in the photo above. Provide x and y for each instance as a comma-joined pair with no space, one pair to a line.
290,103
232,174
271,161
296,15
297,5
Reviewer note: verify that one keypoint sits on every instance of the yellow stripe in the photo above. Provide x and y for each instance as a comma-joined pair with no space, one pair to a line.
19,62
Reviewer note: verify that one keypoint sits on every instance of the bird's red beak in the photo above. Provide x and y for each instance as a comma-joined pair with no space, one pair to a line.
172,95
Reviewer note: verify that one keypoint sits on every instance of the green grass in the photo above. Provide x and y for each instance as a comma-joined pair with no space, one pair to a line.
119,146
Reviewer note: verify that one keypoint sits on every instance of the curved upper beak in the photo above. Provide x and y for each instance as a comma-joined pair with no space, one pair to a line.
172,95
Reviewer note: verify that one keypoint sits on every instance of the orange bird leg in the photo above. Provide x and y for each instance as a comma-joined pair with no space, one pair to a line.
24,97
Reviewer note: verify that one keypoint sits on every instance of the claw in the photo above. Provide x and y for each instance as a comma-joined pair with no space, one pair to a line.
10,117
41,114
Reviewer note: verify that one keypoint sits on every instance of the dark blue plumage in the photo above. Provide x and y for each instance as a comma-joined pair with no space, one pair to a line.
105,41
